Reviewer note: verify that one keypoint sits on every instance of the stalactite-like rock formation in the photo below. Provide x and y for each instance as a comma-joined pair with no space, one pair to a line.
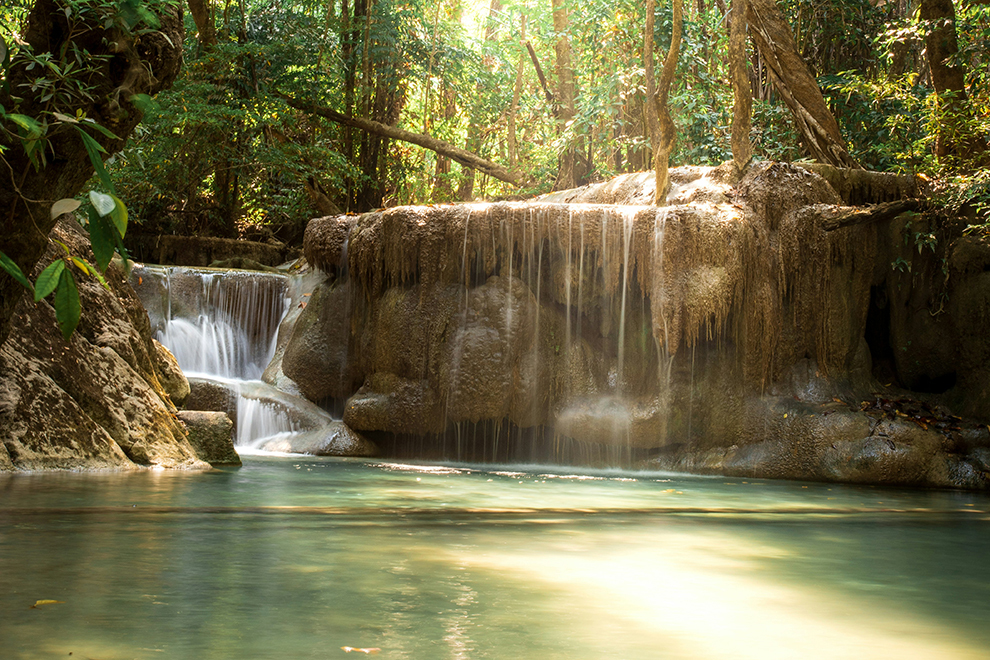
708,333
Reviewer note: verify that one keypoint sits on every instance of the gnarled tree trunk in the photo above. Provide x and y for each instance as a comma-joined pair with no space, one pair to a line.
795,84
133,65
742,109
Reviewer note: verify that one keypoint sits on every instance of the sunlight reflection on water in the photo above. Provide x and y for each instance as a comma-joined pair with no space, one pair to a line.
295,557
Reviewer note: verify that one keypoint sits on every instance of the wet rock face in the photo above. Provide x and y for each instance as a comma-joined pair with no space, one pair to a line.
970,304
334,439
326,240
96,401
211,436
691,330
170,375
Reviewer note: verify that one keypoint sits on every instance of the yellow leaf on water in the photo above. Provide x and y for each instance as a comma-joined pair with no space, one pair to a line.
46,602
353,649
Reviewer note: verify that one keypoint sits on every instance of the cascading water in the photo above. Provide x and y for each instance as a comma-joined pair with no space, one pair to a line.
226,326
222,326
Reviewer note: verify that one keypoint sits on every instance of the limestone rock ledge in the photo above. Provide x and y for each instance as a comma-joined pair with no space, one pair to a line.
97,401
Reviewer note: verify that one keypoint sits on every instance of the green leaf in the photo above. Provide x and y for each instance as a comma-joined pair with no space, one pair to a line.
142,102
14,271
29,124
67,307
101,237
91,123
48,280
62,206
102,203
88,269
94,149
119,216
82,265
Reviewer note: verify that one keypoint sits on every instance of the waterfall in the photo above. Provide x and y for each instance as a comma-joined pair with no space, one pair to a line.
223,326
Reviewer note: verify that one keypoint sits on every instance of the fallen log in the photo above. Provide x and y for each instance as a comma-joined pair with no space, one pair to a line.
462,156
857,187
837,217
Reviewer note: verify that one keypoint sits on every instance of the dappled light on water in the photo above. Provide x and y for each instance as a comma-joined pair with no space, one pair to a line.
299,557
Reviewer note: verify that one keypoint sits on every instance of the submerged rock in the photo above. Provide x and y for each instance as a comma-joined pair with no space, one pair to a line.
96,401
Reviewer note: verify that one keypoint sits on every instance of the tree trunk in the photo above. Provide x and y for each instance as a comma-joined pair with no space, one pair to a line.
742,109
795,84
443,190
572,171
650,78
465,190
956,135
203,18
516,94
28,194
667,132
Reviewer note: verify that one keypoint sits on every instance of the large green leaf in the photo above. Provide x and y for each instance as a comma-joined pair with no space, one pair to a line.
67,307
101,202
94,149
119,216
29,124
101,237
90,123
14,271
48,279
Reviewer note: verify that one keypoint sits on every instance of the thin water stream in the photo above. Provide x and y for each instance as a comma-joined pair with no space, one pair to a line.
295,557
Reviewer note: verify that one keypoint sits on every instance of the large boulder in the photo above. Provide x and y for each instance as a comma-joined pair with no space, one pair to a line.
211,435
97,400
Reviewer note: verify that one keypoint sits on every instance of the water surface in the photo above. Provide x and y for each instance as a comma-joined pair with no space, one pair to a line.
295,557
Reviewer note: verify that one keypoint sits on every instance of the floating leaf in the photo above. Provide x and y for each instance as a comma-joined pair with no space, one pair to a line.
102,203
67,307
63,206
14,271
354,649
37,603
48,280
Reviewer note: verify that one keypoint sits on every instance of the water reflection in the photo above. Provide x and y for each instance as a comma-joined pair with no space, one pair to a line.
295,558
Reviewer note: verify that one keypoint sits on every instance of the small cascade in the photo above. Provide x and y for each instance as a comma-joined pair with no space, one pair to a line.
222,326
259,422
222,323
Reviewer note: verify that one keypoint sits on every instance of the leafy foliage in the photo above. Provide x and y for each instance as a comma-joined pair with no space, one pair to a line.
63,82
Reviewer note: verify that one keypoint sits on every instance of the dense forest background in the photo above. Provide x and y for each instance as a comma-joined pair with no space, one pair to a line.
241,145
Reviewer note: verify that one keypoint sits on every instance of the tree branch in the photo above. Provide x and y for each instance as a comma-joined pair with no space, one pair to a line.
465,158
